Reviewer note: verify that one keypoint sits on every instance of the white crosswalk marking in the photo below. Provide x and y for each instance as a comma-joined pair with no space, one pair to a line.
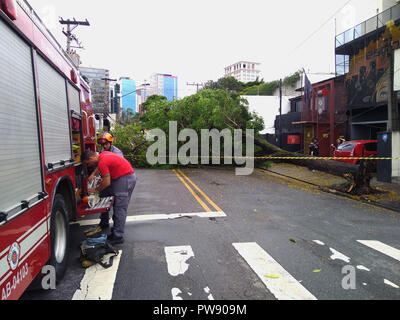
98,283
278,281
383,248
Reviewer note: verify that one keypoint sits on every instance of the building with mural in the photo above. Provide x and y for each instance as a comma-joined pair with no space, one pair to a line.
362,57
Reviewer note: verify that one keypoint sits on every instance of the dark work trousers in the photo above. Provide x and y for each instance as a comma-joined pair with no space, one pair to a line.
121,189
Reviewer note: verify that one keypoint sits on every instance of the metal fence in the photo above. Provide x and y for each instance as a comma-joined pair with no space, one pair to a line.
370,25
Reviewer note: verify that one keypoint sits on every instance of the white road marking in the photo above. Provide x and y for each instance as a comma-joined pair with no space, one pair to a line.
339,256
175,293
210,296
278,281
383,248
360,267
177,258
98,283
389,283
151,217
319,242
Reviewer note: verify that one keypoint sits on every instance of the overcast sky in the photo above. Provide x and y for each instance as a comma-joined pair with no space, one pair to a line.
195,40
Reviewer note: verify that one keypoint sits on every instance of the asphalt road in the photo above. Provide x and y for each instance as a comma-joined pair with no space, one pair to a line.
257,237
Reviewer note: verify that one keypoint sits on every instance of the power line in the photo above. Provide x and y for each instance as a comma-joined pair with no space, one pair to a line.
320,27
71,37
196,84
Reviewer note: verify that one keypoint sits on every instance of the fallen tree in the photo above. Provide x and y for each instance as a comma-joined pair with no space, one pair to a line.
358,176
220,109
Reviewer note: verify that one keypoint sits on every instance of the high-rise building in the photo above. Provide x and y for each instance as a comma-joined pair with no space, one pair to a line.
244,71
164,85
142,93
115,99
128,94
100,87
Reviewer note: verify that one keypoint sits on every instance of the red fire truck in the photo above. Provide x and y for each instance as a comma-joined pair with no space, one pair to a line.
46,122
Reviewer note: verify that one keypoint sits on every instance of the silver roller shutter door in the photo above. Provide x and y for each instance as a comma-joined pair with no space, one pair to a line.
74,100
19,147
55,118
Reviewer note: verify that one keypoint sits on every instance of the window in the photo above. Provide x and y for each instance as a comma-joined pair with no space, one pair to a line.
347,146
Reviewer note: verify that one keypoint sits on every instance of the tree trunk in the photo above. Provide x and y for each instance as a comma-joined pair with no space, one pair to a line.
359,176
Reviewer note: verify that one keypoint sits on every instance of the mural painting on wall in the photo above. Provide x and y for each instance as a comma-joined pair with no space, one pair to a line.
367,80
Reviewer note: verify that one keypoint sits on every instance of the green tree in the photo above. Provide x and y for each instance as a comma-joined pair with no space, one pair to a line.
130,139
128,117
208,109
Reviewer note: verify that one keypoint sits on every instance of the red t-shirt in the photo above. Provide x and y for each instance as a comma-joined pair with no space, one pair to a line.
115,165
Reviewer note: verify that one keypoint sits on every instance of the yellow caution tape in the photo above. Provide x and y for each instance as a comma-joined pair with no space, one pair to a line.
283,158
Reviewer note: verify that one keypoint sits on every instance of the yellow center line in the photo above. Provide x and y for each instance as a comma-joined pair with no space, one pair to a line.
193,193
201,192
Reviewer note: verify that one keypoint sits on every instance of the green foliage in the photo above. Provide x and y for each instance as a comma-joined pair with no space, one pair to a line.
128,117
131,141
208,109
291,81
268,89
231,84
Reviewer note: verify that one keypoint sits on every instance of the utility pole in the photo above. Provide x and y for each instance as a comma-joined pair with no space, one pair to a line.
196,85
393,110
71,37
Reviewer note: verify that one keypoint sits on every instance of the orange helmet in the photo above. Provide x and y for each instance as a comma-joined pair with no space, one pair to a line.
105,137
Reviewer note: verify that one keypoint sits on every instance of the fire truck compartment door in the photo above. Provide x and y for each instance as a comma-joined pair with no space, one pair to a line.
74,100
54,111
19,147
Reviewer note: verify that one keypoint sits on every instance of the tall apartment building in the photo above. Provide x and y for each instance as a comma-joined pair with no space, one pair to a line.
244,71
164,85
100,87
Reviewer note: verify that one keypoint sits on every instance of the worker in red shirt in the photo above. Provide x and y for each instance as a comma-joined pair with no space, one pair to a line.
106,140
119,178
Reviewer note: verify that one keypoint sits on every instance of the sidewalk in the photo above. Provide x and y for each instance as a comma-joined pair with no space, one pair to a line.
390,199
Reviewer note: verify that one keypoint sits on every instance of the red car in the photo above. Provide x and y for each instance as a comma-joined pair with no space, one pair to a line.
350,149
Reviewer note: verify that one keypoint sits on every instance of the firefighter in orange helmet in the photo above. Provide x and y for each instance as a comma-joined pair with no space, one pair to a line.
106,140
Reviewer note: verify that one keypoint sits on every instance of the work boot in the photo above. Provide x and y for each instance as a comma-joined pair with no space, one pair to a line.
113,240
102,228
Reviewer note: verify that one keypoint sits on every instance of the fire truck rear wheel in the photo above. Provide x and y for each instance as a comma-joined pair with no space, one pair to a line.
59,236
